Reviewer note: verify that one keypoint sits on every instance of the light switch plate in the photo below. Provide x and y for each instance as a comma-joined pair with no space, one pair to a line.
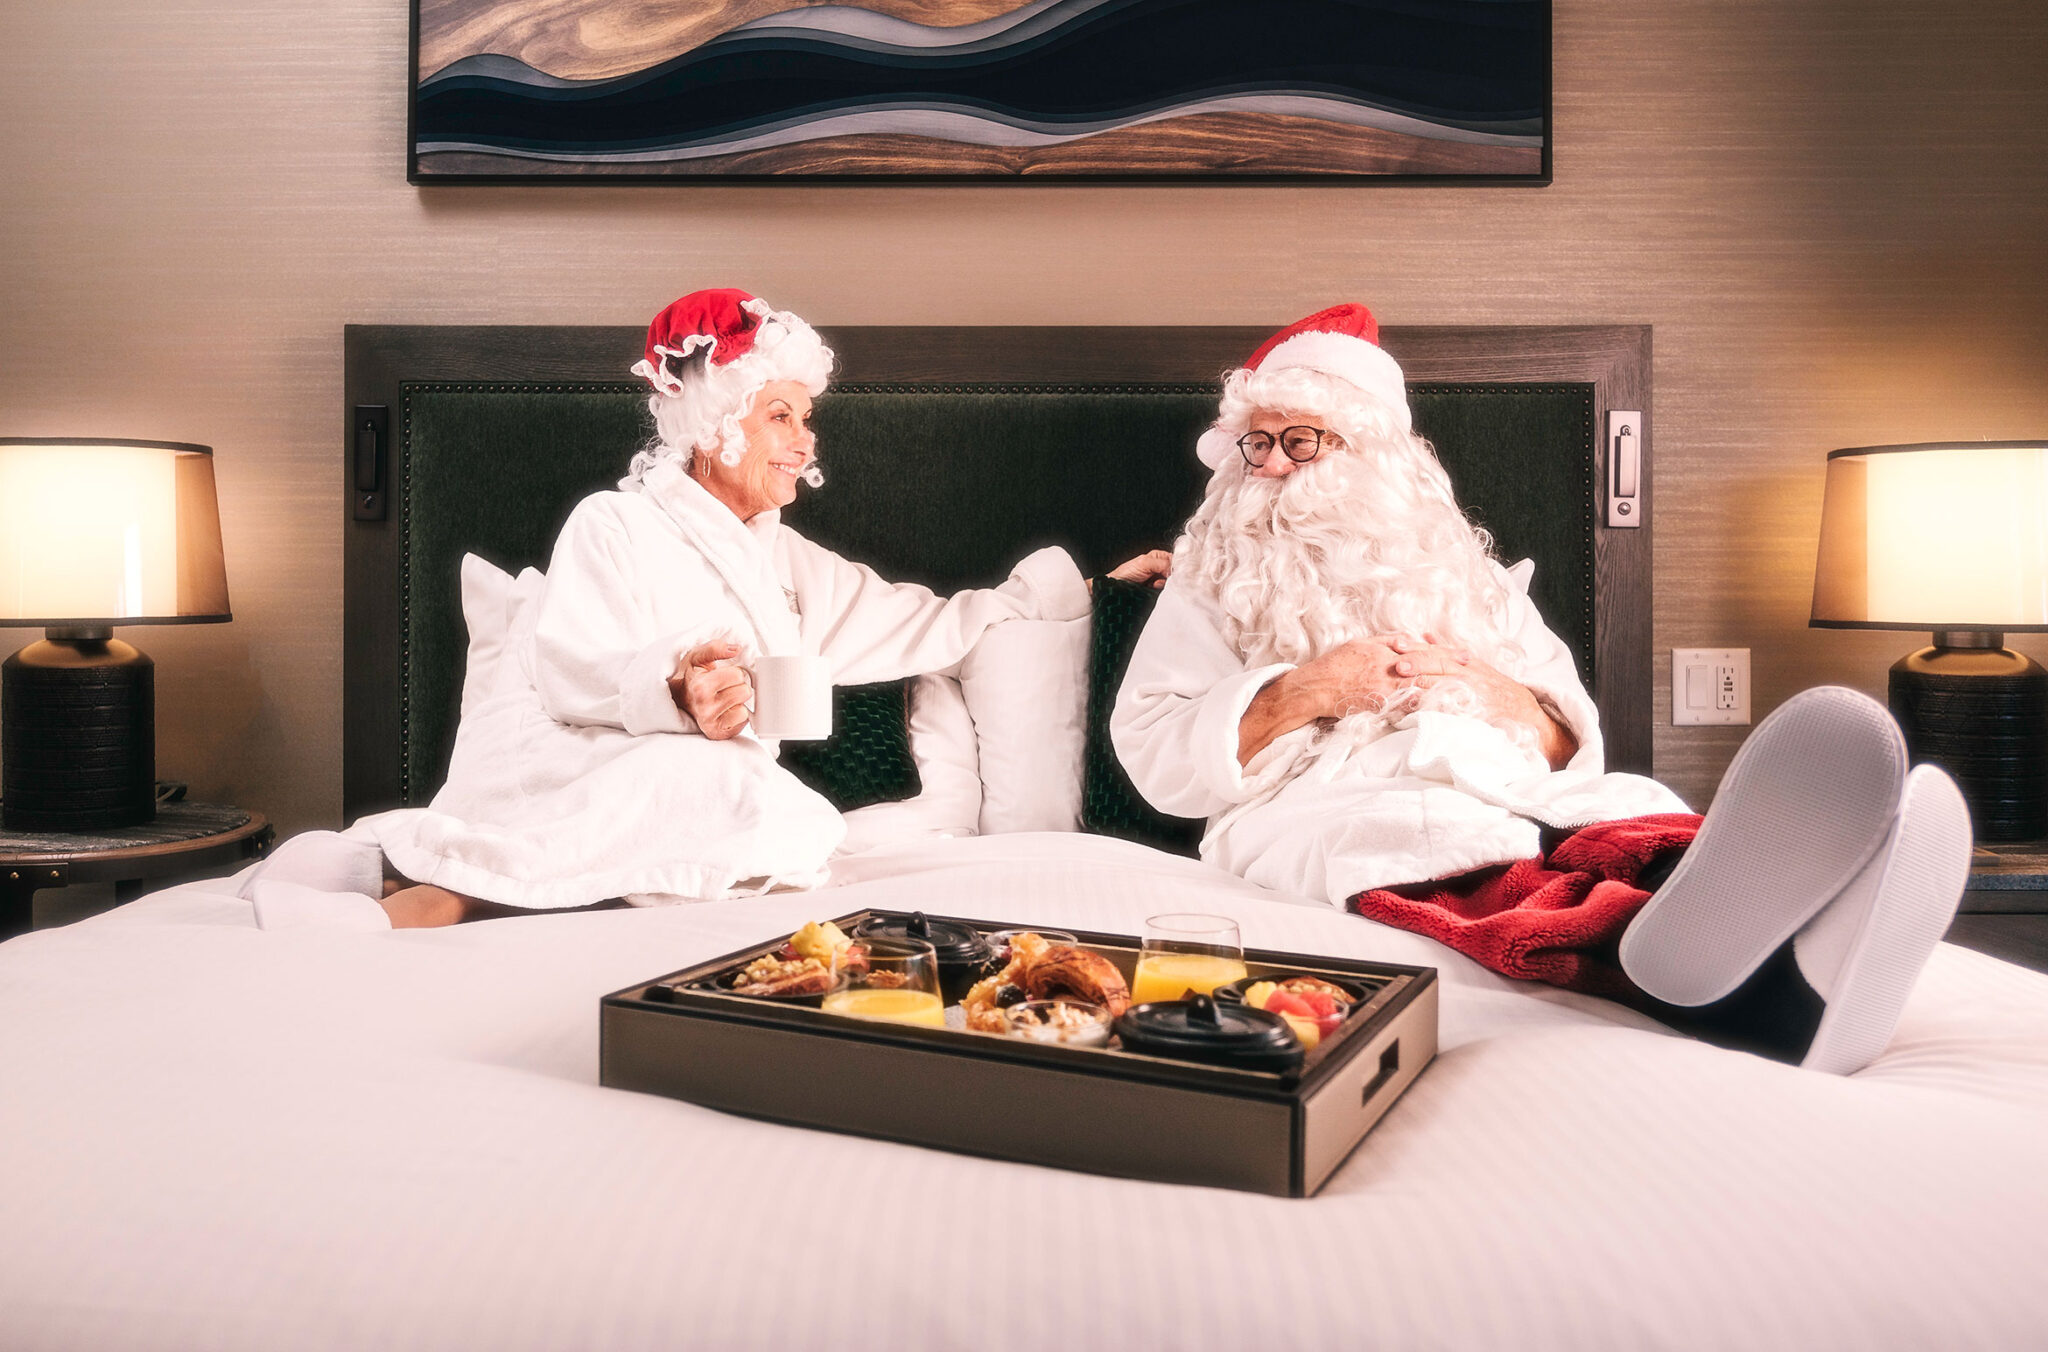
1709,686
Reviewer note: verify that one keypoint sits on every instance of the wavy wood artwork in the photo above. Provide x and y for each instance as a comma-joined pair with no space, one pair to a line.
596,39
1205,143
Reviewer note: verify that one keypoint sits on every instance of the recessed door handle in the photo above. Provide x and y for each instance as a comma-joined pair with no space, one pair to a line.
369,460
1624,467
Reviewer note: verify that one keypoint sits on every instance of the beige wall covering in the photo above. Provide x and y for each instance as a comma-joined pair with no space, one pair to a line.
1834,213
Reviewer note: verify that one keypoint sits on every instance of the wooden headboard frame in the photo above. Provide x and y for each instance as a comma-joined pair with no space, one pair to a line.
382,360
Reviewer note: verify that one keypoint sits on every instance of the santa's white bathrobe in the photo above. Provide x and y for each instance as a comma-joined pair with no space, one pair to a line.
1432,796
583,781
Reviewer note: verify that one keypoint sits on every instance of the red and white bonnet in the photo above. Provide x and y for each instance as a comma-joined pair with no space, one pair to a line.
1342,341
725,320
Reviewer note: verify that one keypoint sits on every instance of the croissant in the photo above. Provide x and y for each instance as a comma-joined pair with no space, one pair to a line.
1065,970
1046,971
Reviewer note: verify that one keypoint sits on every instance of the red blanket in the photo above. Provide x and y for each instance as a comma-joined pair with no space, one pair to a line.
1557,919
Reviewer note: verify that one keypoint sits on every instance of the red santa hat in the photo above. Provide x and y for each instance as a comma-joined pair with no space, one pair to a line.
1342,341
726,320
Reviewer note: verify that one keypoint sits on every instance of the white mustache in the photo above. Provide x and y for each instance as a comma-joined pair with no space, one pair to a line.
1305,492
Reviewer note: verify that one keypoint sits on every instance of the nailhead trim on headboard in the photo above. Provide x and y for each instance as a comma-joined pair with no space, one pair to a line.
1585,644
405,533
405,519
1585,647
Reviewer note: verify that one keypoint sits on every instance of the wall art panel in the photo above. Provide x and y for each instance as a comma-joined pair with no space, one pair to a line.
981,89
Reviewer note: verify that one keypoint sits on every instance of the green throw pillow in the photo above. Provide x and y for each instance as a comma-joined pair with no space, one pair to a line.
1110,804
867,758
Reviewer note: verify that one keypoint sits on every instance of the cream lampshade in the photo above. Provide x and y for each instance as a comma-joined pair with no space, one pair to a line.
94,534
1951,537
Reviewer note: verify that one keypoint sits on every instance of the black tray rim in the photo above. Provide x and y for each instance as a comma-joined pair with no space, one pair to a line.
1402,986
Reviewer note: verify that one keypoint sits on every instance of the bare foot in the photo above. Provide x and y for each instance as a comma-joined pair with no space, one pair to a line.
423,907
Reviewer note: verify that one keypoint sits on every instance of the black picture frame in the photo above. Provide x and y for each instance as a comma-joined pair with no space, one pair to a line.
1436,92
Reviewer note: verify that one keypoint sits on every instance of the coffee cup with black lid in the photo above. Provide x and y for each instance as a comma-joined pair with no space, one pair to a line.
1221,1033
963,952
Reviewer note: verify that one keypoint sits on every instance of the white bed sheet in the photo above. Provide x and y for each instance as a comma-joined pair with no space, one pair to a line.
218,1137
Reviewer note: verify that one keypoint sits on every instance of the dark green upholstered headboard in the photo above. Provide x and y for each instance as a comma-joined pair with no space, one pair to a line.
949,453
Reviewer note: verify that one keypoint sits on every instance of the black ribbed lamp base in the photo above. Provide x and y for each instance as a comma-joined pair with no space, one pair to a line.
1982,715
77,736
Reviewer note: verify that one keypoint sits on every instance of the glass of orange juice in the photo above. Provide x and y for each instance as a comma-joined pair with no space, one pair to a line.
898,983
1185,954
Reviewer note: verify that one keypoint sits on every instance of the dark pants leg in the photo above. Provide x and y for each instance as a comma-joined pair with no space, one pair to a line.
1774,1013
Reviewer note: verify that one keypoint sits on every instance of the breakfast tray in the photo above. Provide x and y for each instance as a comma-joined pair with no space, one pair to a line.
1100,1110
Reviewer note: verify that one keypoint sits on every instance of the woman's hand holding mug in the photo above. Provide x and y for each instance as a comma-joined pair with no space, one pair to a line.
713,689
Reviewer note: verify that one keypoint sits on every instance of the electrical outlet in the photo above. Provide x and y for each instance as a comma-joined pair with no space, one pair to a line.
1709,686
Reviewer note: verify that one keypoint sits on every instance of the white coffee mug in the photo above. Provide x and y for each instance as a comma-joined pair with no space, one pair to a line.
793,698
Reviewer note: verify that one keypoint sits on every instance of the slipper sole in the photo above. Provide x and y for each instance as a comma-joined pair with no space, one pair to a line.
1809,798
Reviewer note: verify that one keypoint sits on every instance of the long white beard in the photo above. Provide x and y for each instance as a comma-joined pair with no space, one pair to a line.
1348,547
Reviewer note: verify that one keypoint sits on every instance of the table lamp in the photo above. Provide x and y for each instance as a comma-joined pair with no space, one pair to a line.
93,534
1951,537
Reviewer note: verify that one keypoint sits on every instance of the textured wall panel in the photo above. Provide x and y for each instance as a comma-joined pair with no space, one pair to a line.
1833,213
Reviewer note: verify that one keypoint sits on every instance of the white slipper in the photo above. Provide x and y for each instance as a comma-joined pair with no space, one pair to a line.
325,861
1806,802
1865,950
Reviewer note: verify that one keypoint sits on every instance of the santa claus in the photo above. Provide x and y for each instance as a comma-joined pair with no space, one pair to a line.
1368,709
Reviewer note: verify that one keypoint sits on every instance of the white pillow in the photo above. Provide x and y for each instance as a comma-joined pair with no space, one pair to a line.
500,612
1026,684
942,744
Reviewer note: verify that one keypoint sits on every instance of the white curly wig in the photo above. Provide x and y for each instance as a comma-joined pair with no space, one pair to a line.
705,417
1366,540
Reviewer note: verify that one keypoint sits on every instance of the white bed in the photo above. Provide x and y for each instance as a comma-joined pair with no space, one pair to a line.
213,1136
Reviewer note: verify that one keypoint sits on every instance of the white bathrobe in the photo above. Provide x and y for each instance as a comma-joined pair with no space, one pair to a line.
586,781
1432,796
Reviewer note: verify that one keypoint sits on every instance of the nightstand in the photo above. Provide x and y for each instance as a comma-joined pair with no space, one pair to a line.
183,838
2005,909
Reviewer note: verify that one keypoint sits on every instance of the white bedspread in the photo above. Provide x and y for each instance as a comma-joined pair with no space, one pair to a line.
217,1137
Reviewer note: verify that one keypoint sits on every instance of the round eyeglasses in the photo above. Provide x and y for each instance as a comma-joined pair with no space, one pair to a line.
1299,444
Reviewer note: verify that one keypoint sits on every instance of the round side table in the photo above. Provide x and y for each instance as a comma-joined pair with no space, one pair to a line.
183,838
